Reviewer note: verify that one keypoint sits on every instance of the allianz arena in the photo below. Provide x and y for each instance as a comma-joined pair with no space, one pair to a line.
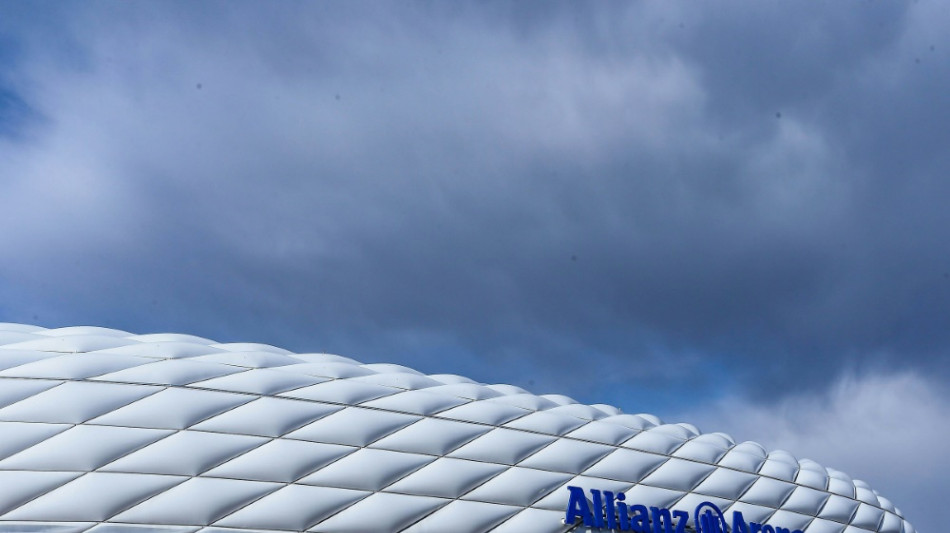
103,431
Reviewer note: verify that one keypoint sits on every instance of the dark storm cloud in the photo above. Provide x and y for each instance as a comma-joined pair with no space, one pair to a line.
743,191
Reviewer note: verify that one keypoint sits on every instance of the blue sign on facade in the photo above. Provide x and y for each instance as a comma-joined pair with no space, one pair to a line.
610,510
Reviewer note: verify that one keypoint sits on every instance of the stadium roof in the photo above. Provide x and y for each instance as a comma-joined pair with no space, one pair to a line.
104,431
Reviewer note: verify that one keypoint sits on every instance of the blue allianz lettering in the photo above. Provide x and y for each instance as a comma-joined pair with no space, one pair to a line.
610,510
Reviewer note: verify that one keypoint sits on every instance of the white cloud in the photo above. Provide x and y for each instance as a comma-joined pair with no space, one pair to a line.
888,430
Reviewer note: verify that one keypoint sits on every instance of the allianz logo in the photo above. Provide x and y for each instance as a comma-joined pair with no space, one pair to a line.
609,510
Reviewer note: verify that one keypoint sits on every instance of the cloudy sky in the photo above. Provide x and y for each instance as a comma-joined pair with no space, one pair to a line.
732,214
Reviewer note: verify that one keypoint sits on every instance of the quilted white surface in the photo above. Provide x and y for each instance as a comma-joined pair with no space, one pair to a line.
103,431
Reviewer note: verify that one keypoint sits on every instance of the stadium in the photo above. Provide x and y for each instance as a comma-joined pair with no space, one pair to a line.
105,431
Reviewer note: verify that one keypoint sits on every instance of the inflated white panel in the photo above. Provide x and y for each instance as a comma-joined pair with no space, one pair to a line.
812,478
15,358
173,408
398,380
447,478
841,486
719,440
419,402
626,464
691,500
267,417
390,368
328,358
432,436
198,501
281,460
256,359
82,448
865,494
790,519
354,426
779,469
327,369
819,525
726,483
698,450
839,509
768,492
367,469
504,446
518,486
678,474
114,493
345,391
567,456
547,422
29,485
294,507
452,379
70,343
806,500
485,412
170,372
134,528
245,347
59,405
868,517
70,331
557,500
18,436
173,338
160,349
584,412
259,381
655,441
655,495
891,523
753,513
739,459
69,367
532,521
524,401
185,453
887,505
102,431
476,517
465,390
364,516
603,432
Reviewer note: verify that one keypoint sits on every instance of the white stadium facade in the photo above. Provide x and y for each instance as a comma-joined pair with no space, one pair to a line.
104,431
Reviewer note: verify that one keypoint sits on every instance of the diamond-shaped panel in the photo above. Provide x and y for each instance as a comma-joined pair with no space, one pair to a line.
74,402
294,507
518,486
354,426
504,446
185,453
367,469
365,516
113,493
447,478
82,448
198,501
172,408
281,460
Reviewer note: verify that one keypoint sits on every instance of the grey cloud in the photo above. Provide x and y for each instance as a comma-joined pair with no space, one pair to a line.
496,185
